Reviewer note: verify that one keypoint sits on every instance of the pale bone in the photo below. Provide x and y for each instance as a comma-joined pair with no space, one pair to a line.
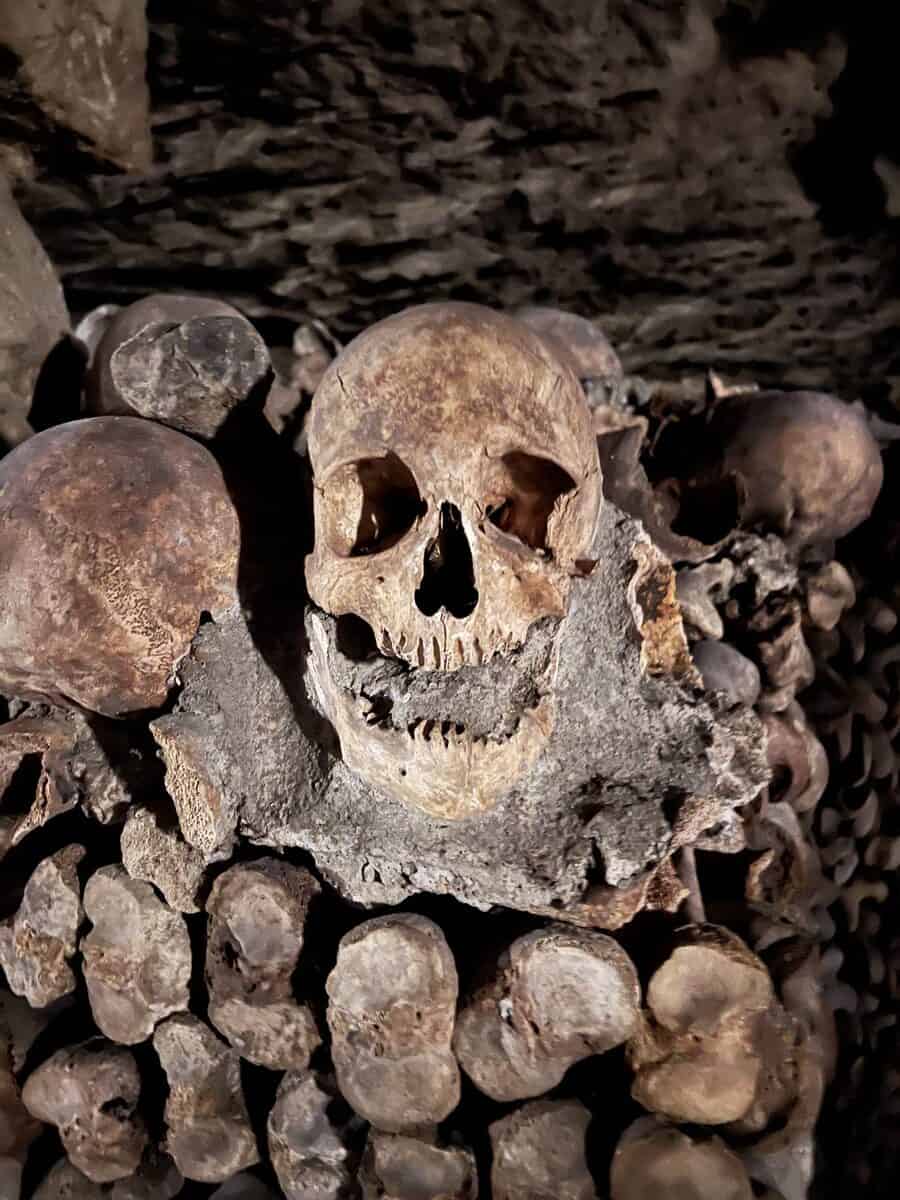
559,995
392,1003
307,1147
137,956
539,1152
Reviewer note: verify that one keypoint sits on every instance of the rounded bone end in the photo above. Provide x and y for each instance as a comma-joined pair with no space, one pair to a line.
539,1151
560,994
654,1161
396,1167
392,1002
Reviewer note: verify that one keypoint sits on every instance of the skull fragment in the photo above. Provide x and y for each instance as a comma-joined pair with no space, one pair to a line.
457,488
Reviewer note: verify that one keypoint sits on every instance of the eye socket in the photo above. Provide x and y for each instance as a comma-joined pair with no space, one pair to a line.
527,496
369,505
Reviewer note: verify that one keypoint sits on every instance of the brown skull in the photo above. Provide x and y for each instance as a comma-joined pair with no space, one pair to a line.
457,485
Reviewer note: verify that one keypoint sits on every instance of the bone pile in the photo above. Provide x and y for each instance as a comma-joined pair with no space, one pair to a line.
197,998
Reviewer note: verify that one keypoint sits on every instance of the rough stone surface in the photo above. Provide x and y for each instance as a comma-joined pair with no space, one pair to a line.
308,1148
257,911
559,995
136,958
81,63
185,361
395,1167
209,1133
38,942
157,853
148,510
539,1153
391,1008
157,1178
90,1093
33,315
588,816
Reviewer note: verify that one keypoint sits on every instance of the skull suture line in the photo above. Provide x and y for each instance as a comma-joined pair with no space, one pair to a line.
457,486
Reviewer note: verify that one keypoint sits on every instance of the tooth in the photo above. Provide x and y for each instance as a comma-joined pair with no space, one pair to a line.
460,652
479,653
436,647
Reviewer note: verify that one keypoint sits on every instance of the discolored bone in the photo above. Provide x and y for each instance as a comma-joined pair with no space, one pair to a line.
192,374
654,1161
209,1133
559,995
784,656
724,669
157,1178
794,750
33,317
806,464
90,1093
308,1147
158,854
396,1167
392,1002
196,780
829,594
700,591
583,345
136,958
38,942
705,1053
539,1153
128,526
128,329
257,912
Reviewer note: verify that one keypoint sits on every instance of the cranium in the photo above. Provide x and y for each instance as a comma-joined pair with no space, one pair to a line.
457,487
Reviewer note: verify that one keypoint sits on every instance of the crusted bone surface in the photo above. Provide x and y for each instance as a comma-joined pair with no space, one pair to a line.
136,958
255,936
539,1153
90,1093
392,1003
621,743
116,534
447,425
560,995
209,1136
396,1167
309,1153
38,942
158,854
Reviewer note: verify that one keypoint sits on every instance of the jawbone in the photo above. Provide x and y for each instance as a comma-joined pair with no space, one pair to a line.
436,765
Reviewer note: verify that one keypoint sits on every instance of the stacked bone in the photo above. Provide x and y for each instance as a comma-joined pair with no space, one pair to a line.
251,1098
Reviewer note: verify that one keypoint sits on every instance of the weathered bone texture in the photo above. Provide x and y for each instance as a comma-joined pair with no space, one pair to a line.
209,1133
37,943
716,1047
136,958
559,995
583,345
90,1093
157,1178
308,1148
94,763
33,316
805,464
396,1167
186,361
158,854
392,1003
83,66
539,1153
19,1026
724,669
257,913
653,1160
540,846
116,535
456,487
196,780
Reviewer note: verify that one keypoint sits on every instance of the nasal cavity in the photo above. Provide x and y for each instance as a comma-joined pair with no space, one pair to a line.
448,577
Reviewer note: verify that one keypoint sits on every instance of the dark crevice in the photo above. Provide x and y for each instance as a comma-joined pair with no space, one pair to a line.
448,575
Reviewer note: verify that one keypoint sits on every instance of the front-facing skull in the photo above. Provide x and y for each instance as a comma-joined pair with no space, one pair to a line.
457,486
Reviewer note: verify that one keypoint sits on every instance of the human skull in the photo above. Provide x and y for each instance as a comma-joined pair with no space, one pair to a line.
457,487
